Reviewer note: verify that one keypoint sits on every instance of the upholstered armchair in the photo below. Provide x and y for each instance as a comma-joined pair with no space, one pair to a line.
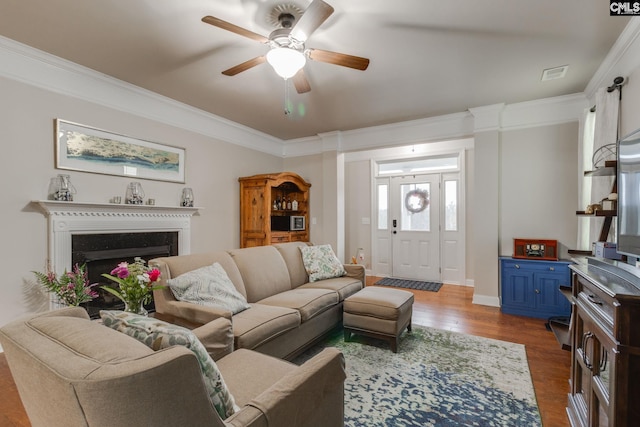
71,371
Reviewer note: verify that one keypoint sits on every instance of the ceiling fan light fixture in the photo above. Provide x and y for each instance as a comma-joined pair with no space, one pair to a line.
285,61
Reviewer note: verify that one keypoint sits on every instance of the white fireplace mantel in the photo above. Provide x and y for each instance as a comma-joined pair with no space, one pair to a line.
68,218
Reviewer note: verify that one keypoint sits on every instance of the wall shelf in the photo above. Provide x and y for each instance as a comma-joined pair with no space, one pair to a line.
610,168
599,212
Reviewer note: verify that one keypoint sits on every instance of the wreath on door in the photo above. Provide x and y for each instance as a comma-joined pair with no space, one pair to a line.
416,200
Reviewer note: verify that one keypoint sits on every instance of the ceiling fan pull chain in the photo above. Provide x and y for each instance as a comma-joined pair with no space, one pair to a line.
287,102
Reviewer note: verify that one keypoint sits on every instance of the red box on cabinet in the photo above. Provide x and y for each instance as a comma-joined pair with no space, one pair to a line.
543,249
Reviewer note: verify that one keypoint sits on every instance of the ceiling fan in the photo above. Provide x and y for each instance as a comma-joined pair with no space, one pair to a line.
288,53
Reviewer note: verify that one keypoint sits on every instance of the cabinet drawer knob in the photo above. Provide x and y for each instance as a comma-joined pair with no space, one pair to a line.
517,266
552,269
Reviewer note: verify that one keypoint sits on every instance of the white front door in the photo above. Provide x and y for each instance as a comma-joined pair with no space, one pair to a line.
414,214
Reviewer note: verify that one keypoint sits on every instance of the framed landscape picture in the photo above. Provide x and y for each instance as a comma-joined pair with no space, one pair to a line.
86,149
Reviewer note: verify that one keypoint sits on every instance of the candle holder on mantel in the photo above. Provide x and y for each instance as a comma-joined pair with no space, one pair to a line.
61,189
187,198
135,194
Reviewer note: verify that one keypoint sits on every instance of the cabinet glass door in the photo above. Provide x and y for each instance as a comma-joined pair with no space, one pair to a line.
600,417
604,364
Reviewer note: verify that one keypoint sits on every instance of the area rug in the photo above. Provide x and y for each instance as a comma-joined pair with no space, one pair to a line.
437,378
409,284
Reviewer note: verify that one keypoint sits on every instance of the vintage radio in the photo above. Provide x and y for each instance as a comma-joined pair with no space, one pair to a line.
535,249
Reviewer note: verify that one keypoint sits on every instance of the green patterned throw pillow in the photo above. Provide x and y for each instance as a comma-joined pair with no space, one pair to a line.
321,263
208,286
158,334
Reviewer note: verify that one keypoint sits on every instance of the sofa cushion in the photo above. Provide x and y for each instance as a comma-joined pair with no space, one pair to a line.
177,265
343,286
208,286
263,271
379,302
292,256
158,335
252,373
262,323
309,302
321,263
65,335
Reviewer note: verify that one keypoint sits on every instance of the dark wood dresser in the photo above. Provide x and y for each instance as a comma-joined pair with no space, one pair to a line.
605,328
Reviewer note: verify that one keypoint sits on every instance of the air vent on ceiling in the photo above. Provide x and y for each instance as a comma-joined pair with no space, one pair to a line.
554,73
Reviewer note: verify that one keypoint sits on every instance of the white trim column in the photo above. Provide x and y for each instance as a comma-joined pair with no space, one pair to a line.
486,204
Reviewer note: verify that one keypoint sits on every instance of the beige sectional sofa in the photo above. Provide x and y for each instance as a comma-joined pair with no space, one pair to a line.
287,314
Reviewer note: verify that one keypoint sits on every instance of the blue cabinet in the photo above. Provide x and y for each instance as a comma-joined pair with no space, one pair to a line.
532,288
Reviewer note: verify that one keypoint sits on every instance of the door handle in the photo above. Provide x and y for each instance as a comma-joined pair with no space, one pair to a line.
585,358
395,232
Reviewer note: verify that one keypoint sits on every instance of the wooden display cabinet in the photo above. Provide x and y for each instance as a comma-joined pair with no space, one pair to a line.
259,196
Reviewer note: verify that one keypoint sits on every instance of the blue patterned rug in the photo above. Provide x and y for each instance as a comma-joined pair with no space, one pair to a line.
437,378
409,284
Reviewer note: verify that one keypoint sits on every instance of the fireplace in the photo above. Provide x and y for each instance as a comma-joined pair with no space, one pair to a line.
101,253
103,235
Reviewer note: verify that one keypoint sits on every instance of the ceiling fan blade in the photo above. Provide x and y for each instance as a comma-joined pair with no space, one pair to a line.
317,12
244,66
216,22
339,59
300,82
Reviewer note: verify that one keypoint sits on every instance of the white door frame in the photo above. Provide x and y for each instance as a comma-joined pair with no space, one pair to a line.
452,243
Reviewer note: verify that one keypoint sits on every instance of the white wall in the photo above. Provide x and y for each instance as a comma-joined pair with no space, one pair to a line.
357,207
485,217
27,118
470,261
538,187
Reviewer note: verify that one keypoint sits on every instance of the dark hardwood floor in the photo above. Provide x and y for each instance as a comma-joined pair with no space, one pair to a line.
451,308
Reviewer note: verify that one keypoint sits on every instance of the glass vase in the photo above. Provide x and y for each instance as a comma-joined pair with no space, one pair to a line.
61,189
135,194
187,197
135,307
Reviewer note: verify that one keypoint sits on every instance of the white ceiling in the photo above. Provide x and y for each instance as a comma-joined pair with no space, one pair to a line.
428,58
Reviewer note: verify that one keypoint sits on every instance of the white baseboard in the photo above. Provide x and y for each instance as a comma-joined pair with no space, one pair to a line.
486,300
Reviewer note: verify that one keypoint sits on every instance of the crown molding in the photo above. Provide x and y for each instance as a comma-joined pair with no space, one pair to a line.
544,112
488,117
37,68
432,129
623,58
498,117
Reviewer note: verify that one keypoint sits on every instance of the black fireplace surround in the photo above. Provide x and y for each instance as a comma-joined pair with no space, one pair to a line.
103,252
